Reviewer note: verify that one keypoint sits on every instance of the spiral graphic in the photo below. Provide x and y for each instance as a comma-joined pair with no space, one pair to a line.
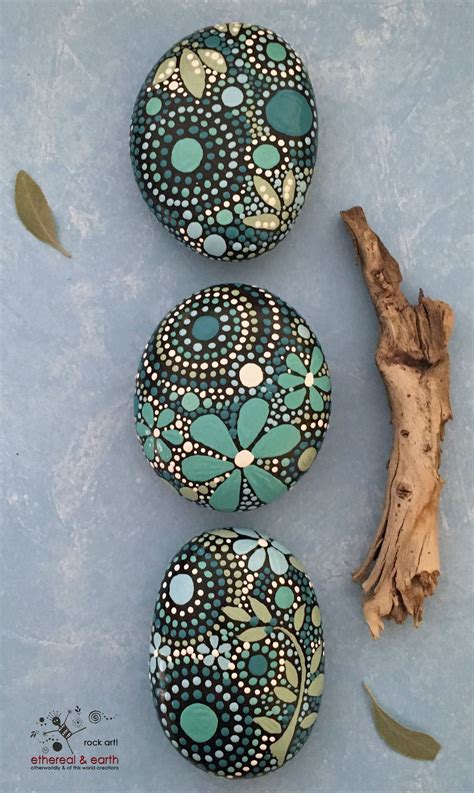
95,716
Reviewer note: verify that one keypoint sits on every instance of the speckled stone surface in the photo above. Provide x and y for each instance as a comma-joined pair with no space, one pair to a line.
87,531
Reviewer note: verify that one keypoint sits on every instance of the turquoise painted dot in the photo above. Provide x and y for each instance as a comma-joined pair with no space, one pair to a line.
215,245
303,331
199,722
190,401
232,96
205,328
258,665
266,156
181,588
186,155
194,230
284,597
289,112
153,106
224,217
276,52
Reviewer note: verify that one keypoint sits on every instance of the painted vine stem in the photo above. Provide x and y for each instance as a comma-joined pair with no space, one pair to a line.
402,565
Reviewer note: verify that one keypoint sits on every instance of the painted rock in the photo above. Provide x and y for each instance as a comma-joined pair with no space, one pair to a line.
223,140
232,397
237,654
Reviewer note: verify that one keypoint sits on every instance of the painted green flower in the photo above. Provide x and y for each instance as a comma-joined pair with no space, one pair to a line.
300,380
152,433
255,444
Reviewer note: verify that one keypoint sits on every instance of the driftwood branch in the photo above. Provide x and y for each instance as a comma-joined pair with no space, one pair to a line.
403,565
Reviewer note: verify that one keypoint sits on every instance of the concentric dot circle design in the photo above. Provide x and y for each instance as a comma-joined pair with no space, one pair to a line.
223,140
237,672
232,397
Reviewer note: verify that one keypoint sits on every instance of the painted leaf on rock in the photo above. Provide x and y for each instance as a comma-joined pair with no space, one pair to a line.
236,614
316,659
285,694
267,193
192,73
289,186
299,618
252,634
214,60
164,71
269,725
291,673
308,721
260,610
316,687
264,221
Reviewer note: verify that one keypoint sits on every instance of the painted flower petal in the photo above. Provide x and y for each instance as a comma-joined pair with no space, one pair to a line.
149,448
209,660
164,452
257,559
323,383
203,648
211,431
280,547
164,71
162,664
316,400
201,468
224,648
295,364
295,399
277,561
247,533
265,486
148,415
266,192
214,60
224,663
214,641
226,497
252,417
316,360
166,417
173,436
142,430
289,186
192,72
277,441
266,221
290,380
152,664
156,641
244,546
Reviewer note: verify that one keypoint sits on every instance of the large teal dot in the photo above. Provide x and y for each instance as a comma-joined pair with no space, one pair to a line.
186,155
181,588
258,665
190,401
232,96
199,722
153,106
205,328
266,156
224,217
194,230
284,597
289,112
276,52
215,245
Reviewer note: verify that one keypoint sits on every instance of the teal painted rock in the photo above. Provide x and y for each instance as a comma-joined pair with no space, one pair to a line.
237,653
232,397
223,140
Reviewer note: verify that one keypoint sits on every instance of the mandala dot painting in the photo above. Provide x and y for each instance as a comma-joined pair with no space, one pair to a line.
223,140
237,653
232,397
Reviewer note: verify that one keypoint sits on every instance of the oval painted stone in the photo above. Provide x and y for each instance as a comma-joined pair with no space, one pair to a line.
237,669
223,140
232,397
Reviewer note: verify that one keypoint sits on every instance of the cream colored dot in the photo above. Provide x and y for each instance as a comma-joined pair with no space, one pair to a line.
309,380
243,458
251,375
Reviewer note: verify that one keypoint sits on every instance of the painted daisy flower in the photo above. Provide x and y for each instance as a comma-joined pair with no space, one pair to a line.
158,654
215,652
261,547
153,434
300,380
255,444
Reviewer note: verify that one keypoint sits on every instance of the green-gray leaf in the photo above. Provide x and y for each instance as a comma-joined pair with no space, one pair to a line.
164,71
316,687
35,213
417,745
260,610
236,614
296,563
285,694
316,616
192,72
291,674
299,618
214,60
264,221
308,721
267,193
225,533
289,185
268,724
316,659
252,635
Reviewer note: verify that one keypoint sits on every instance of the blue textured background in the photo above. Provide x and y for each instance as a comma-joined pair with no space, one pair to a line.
88,529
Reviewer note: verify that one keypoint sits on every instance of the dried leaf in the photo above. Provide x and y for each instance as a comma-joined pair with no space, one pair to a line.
316,659
263,221
236,614
299,618
291,674
260,610
269,725
35,213
417,745
192,73
316,687
266,192
252,635
285,694
308,721
164,71
214,60
289,186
